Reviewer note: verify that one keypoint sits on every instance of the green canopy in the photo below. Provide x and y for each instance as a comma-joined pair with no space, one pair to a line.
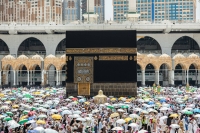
23,121
124,107
7,119
188,112
110,107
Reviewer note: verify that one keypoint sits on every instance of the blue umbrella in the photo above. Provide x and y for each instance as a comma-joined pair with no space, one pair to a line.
81,100
150,102
162,100
196,110
182,105
33,131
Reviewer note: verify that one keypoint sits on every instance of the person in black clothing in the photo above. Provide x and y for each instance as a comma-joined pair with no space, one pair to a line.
169,120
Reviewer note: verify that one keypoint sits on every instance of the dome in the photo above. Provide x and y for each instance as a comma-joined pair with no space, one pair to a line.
151,56
22,57
63,56
50,56
193,56
178,56
164,56
8,57
37,57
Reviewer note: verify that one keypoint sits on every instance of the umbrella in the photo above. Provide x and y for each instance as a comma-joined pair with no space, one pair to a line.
30,122
7,119
95,111
120,110
77,112
163,117
164,108
143,131
70,97
75,116
42,116
81,100
151,102
174,115
74,99
117,128
56,117
198,115
40,129
15,106
134,116
120,121
81,119
124,106
110,107
114,115
174,126
48,130
128,119
66,112
13,124
188,112
196,110
41,122
25,112
9,113
23,121
133,125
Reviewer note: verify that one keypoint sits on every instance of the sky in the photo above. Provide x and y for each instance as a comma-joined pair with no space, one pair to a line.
109,10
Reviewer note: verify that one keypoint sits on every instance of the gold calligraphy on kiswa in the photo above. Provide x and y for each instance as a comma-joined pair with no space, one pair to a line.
101,50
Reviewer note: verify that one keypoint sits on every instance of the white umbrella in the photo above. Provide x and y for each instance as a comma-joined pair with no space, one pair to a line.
64,108
120,121
117,128
77,112
163,117
137,109
120,110
30,122
134,116
42,116
66,112
143,131
68,100
133,125
13,124
39,129
198,115
95,111
88,118
188,109
49,130
54,111
164,109
81,119
174,126
75,116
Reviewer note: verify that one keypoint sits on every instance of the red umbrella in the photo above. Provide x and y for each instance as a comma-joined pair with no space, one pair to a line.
74,99
31,113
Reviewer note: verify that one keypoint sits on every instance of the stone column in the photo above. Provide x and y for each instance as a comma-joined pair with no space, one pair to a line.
57,77
14,83
0,78
183,76
28,77
20,77
198,77
31,78
187,71
172,77
47,77
42,77
157,77
143,77
17,72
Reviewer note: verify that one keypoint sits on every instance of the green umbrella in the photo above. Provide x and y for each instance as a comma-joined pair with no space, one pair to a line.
12,99
9,113
110,107
25,112
27,96
32,97
34,108
70,97
7,119
23,121
188,112
3,99
124,107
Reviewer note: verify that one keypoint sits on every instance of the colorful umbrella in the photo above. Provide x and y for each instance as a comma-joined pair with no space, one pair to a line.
23,121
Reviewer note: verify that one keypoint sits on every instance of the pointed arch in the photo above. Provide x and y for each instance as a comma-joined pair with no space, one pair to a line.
31,46
60,49
185,43
4,49
148,44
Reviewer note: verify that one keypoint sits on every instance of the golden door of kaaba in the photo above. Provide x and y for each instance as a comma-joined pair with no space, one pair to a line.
83,74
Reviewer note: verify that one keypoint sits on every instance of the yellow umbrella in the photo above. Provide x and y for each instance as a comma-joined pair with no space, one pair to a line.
120,98
114,115
15,106
128,100
8,102
40,122
113,99
1,95
174,115
87,103
56,117
128,119
24,117
37,93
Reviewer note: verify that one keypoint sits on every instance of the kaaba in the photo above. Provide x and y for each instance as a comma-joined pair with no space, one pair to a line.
105,60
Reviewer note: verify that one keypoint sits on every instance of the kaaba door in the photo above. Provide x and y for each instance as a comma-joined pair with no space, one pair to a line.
83,74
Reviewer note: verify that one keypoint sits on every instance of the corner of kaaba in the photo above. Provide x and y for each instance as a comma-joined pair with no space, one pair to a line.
101,60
